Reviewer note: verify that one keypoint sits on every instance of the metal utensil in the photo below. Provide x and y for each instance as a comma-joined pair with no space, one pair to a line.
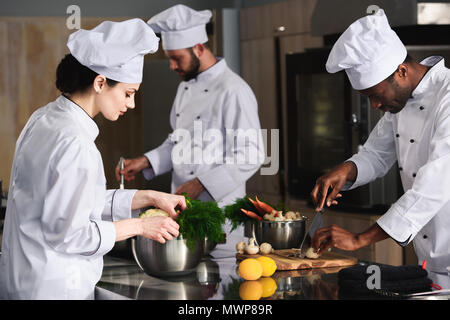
316,223
280,234
122,166
173,258
387,293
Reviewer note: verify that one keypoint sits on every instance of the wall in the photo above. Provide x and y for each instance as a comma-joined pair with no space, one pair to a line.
103,8
35,35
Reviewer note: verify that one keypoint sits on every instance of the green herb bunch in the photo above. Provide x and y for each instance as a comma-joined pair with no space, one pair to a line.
235,215
200,220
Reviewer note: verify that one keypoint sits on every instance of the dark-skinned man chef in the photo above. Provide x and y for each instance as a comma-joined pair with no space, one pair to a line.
415,131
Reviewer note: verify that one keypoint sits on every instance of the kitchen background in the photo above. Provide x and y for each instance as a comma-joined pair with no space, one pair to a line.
259,39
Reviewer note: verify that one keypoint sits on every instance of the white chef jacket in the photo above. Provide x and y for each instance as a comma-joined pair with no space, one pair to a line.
221,100
419,138
58,222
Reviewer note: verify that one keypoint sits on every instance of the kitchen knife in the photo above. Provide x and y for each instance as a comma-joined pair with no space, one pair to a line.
315,224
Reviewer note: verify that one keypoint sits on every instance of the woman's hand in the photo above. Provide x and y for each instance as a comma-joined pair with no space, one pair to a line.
164,201
159,228
168,202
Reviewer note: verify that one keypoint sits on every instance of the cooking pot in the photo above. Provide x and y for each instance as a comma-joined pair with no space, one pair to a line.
172,258
280,234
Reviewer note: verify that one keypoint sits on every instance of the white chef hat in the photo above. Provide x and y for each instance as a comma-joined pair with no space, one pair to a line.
369,51
181,27
115,49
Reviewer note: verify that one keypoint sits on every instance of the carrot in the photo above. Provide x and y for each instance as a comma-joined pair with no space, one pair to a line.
260,210
264,206
251,214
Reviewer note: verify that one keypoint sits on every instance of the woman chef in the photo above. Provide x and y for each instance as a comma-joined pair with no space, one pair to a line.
60,218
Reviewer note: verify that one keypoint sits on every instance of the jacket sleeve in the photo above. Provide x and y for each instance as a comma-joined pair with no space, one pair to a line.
118,205
160,159
377,155
244,145
71,202
430,191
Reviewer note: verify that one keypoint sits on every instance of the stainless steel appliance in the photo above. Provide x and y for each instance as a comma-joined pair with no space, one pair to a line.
329,121
173,258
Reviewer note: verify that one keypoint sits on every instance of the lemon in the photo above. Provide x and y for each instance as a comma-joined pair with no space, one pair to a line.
268,265
269,286
250,290
250,269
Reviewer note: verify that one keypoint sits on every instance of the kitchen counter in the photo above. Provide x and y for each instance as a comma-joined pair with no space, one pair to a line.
214,279
217,279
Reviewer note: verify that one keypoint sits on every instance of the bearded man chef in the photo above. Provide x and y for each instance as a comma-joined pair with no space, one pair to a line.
211,96
414,131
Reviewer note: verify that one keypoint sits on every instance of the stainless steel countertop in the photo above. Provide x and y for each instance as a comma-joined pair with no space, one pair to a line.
214,279
217,279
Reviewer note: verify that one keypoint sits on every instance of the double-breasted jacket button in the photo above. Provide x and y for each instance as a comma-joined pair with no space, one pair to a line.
412,140
421,107
425,236
414,175
397,135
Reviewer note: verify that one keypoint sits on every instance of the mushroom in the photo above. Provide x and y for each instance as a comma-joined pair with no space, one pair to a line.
251,248
265,248
240,247
290,215
311,254
269,217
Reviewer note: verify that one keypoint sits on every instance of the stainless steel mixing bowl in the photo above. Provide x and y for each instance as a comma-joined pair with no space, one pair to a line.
280,234
172,258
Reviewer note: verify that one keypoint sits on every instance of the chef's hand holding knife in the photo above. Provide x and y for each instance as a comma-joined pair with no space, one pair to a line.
326,191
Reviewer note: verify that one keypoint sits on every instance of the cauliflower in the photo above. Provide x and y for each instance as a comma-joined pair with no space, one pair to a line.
154,213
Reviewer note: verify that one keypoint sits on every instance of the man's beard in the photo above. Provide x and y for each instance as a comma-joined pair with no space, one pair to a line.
192,70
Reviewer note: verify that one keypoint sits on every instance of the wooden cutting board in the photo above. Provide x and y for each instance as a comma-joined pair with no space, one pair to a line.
286,260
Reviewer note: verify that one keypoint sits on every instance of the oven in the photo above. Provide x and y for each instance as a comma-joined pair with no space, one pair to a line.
328,122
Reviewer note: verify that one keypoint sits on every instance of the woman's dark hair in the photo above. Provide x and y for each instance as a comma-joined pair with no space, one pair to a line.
72,76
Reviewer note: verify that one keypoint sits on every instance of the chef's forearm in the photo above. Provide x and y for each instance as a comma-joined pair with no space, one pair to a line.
127,228
142,199
371,235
